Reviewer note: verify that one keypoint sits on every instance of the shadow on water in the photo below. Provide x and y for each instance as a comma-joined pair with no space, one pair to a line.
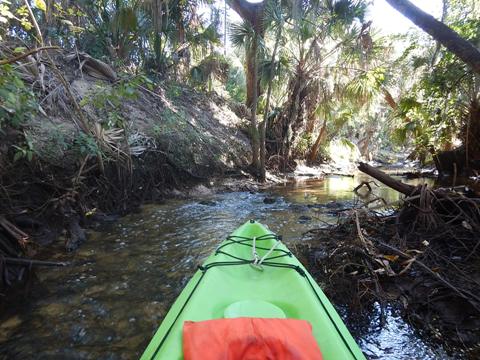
108,304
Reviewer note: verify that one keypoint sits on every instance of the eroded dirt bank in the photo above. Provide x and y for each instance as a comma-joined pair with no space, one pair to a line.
97,149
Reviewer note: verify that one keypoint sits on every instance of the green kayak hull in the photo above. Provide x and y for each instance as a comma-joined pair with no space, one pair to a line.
228,285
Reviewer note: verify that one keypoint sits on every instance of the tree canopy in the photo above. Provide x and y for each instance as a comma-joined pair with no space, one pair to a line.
308,72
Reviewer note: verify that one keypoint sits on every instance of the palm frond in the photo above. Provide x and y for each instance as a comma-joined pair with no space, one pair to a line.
241,35
273,15
213,65
365,86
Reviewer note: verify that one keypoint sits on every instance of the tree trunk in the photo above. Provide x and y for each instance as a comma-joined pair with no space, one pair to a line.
263,126
438,46
312,156
364,144
465,50
386,179
253,120
251,77
253,13
389,99
157,14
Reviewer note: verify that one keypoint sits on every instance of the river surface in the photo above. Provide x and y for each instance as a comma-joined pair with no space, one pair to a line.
122,281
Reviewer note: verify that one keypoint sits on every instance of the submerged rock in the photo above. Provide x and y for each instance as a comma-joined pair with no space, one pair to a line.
208,202
298,207
333,205
200,190
304,219
79,334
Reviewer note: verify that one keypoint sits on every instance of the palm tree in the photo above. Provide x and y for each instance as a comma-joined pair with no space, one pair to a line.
244,37
275,20
252,16
317,35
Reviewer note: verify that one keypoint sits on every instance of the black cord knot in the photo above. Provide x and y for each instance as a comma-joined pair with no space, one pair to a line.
300,271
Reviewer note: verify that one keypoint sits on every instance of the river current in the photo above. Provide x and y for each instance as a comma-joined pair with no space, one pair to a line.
122,281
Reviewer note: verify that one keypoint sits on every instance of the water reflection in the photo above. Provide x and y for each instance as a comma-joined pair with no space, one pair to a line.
108,304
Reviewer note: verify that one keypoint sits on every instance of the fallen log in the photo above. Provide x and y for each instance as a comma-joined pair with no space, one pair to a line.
386,179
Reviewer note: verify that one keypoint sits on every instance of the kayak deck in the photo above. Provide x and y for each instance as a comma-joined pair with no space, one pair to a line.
227,285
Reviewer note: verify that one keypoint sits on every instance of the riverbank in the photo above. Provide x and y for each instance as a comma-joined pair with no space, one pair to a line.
97,144
420,256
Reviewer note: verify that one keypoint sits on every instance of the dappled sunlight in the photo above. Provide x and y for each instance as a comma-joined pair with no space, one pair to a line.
343,152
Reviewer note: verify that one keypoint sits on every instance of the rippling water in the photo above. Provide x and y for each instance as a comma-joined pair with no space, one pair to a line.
122,281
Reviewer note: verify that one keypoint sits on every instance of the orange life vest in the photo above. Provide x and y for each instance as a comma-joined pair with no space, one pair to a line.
249,339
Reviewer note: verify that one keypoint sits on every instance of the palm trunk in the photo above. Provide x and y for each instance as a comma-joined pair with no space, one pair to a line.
253,108
392,103
263,127
157,12
312,156
253,14
251,77
465,50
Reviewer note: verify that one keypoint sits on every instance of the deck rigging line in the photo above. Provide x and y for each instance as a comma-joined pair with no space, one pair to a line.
241,240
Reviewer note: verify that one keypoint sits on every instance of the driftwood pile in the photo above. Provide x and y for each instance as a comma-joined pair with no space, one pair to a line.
425,255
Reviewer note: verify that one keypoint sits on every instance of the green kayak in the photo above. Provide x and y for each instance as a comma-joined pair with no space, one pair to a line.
252,274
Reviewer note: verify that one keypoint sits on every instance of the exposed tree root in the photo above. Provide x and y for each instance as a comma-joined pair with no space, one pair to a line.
426,256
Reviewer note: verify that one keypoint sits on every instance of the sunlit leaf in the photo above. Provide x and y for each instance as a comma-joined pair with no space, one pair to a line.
40,4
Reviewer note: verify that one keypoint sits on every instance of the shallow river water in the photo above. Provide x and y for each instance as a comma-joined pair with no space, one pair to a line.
110,301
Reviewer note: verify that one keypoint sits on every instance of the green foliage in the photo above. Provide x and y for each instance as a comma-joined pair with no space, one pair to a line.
212,66
173,90
342,117
437,103
347,143
17,101
242,34
364,87
108,100
5,16
24,150
345,11
169,116
24,18
304,144
54,145
329,64
85,144
172,121
236,84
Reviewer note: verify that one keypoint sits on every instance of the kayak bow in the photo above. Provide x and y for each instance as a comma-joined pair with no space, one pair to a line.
253,274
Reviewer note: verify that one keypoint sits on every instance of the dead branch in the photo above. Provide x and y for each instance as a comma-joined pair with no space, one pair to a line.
14,232
93,67
30,262
28,53
386,179
366,184
467,295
